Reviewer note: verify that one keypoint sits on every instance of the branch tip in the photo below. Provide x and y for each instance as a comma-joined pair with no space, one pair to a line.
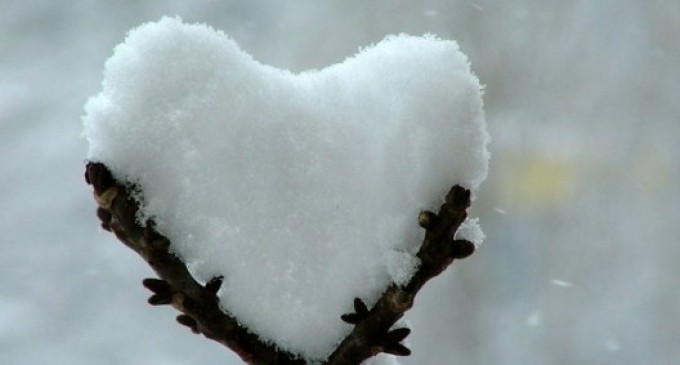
459,197
214,284
99,176
105,199
350,318
157,285
397,350
186,320
462,249
160,299
105,217
360,312
360,307
398,334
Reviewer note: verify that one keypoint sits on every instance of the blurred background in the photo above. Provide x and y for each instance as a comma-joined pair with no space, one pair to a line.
581,208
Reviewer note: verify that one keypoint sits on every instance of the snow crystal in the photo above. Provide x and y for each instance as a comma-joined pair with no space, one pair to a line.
300,189
500,211
471,231
561,283
401,266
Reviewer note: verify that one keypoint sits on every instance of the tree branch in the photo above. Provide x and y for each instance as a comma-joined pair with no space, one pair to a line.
372,333
199,305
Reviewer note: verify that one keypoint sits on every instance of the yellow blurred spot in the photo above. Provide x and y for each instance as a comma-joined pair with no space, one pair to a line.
538,181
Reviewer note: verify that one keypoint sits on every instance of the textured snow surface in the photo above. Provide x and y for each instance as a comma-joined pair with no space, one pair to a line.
302,190
470,230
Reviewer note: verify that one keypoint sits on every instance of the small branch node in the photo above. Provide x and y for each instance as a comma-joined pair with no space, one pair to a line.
104,216
160,299
105,199
399,300
157,286
427,220
459,197
462,249
360,312
397,350
398,334
214,284
186,320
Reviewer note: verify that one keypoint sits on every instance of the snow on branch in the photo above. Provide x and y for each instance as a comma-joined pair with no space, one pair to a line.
280,197
198,303
373,331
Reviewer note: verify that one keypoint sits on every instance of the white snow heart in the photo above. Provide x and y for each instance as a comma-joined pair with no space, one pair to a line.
302,190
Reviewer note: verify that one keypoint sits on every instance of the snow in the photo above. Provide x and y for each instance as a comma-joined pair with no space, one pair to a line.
500,211
470,230
301,189
401,265
561,283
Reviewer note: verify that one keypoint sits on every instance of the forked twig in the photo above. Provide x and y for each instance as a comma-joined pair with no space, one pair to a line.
373,331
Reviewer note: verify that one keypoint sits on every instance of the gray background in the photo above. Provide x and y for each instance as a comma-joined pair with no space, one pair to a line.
580,209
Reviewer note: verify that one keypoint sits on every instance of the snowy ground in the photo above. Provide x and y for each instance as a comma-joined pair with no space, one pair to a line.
580,208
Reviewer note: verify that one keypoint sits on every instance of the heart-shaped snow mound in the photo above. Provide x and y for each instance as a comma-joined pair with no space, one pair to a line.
302,190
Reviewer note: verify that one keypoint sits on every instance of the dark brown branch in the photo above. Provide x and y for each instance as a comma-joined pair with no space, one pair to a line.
199,305
373,332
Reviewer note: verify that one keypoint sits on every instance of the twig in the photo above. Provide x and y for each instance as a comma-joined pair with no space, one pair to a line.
199,304
372,333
